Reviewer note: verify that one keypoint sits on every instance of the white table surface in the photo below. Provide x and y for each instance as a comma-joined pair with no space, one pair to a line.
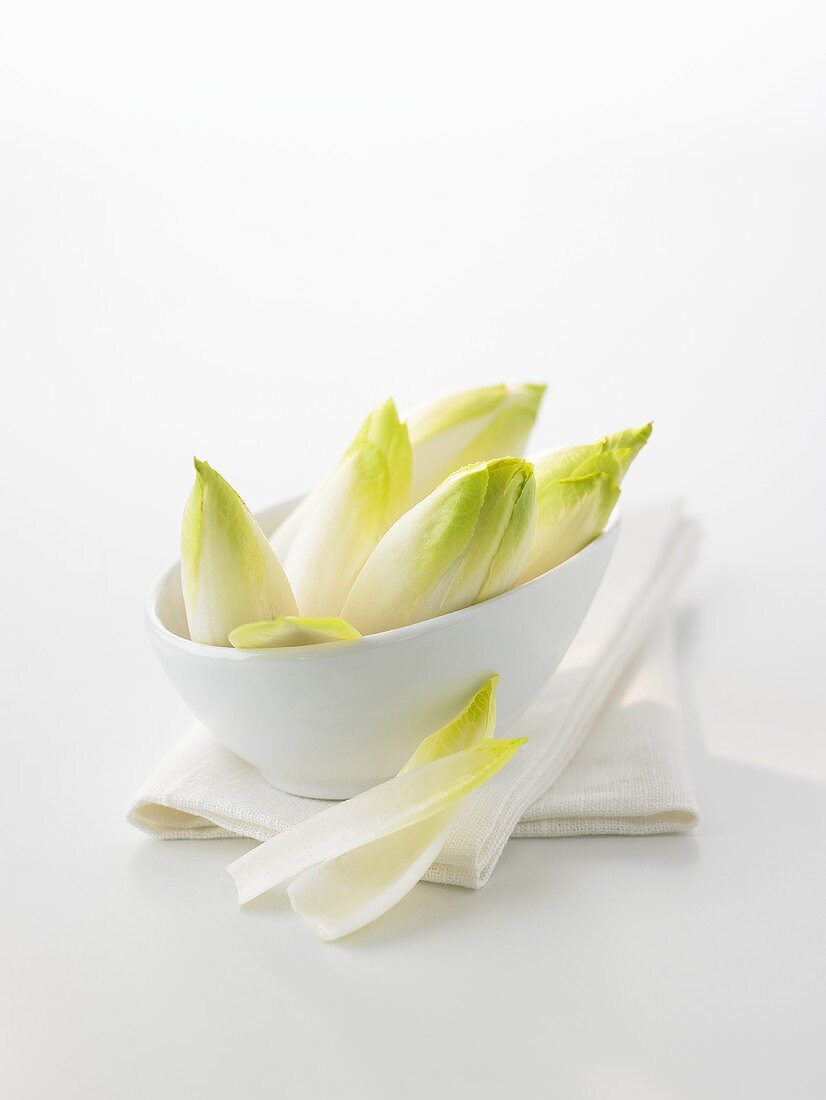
232,233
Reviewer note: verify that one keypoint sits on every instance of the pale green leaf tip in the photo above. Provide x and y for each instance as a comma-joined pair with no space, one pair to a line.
515,743
208,476
206,473
495,467
642,434
487,690
507,462
536,391
386,410
380,428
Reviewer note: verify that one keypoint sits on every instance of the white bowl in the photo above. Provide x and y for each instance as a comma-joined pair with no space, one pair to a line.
331,720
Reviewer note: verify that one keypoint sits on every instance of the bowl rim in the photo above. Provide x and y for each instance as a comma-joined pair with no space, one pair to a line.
327,650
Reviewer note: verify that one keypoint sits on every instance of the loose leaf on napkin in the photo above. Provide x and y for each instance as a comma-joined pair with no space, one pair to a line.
346,893
402,801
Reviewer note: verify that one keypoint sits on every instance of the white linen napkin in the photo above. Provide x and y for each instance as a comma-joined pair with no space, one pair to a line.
605,753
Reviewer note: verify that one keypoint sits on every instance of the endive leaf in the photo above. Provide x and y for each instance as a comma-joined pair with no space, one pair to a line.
383,430
468,427
229,572
466,542
575,510
470,727
576,491
291,630
329,536
570,461
631,440
344,894
405,800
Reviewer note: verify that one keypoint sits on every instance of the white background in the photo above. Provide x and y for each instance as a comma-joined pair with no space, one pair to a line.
230,230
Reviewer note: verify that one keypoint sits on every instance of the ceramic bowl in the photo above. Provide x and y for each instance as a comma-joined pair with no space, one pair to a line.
328,721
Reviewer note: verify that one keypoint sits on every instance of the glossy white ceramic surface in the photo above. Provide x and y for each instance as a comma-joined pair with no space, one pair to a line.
329,721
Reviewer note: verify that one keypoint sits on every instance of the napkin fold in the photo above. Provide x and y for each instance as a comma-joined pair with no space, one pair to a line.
605,751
